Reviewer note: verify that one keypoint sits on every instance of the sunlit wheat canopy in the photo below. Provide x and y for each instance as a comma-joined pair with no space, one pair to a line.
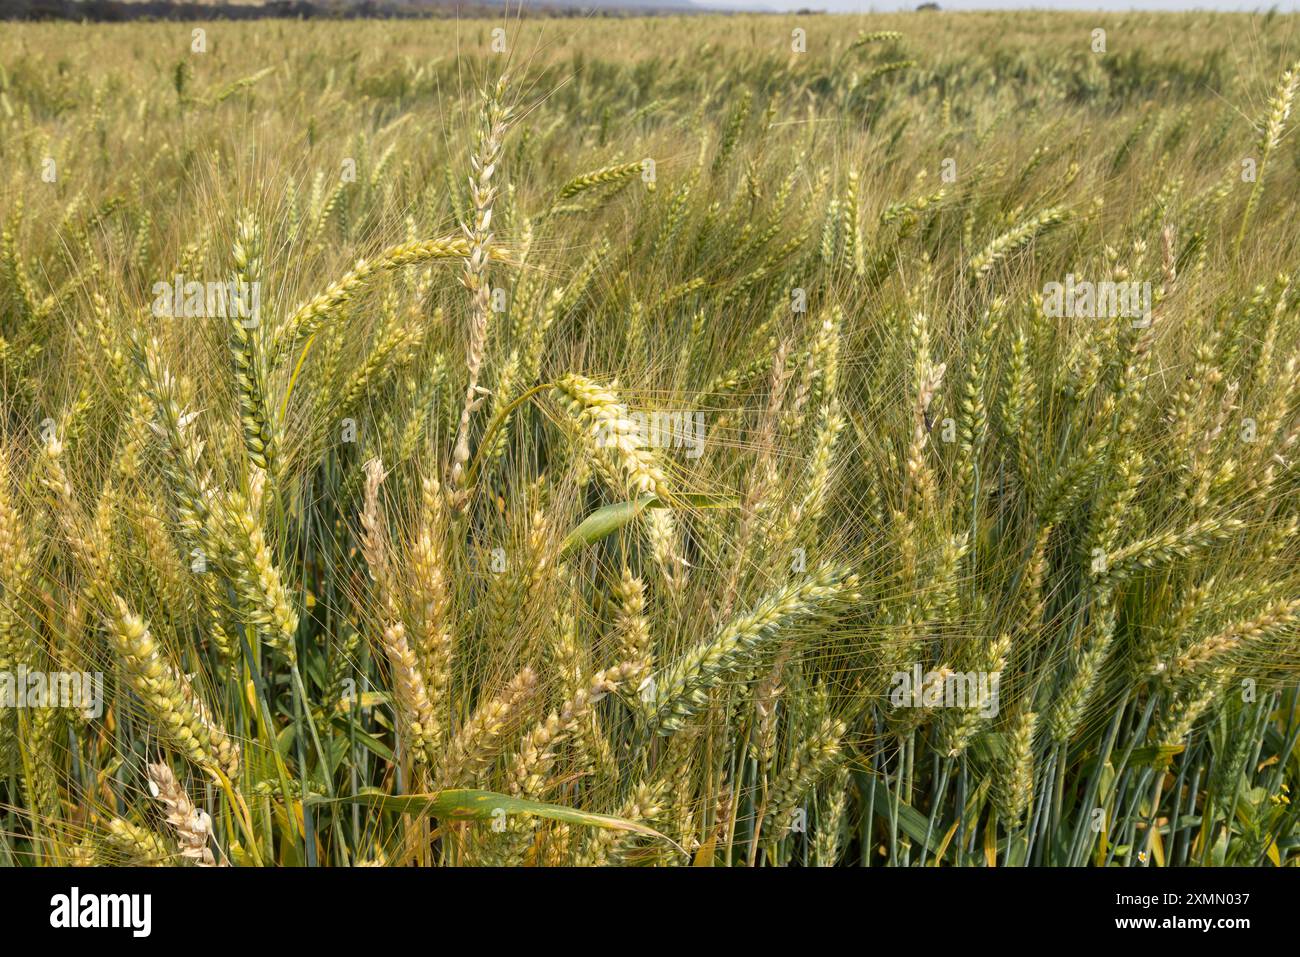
683,438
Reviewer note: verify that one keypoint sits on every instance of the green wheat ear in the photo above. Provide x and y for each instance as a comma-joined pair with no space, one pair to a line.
681,689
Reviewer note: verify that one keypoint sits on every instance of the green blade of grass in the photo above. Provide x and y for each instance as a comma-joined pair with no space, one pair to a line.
608,519
467,804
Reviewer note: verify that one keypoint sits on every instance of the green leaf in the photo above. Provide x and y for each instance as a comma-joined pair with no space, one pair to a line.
1107,783
469,804
1156,755
912,822
367,741
608,519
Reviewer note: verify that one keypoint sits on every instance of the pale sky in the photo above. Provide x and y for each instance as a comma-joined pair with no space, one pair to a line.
882,6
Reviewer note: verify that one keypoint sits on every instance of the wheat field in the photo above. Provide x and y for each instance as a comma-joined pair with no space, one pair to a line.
738,441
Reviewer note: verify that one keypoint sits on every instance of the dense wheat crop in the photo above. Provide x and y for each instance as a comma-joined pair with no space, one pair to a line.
747,441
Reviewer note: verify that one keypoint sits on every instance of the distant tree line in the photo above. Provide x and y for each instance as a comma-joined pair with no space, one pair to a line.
111,11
